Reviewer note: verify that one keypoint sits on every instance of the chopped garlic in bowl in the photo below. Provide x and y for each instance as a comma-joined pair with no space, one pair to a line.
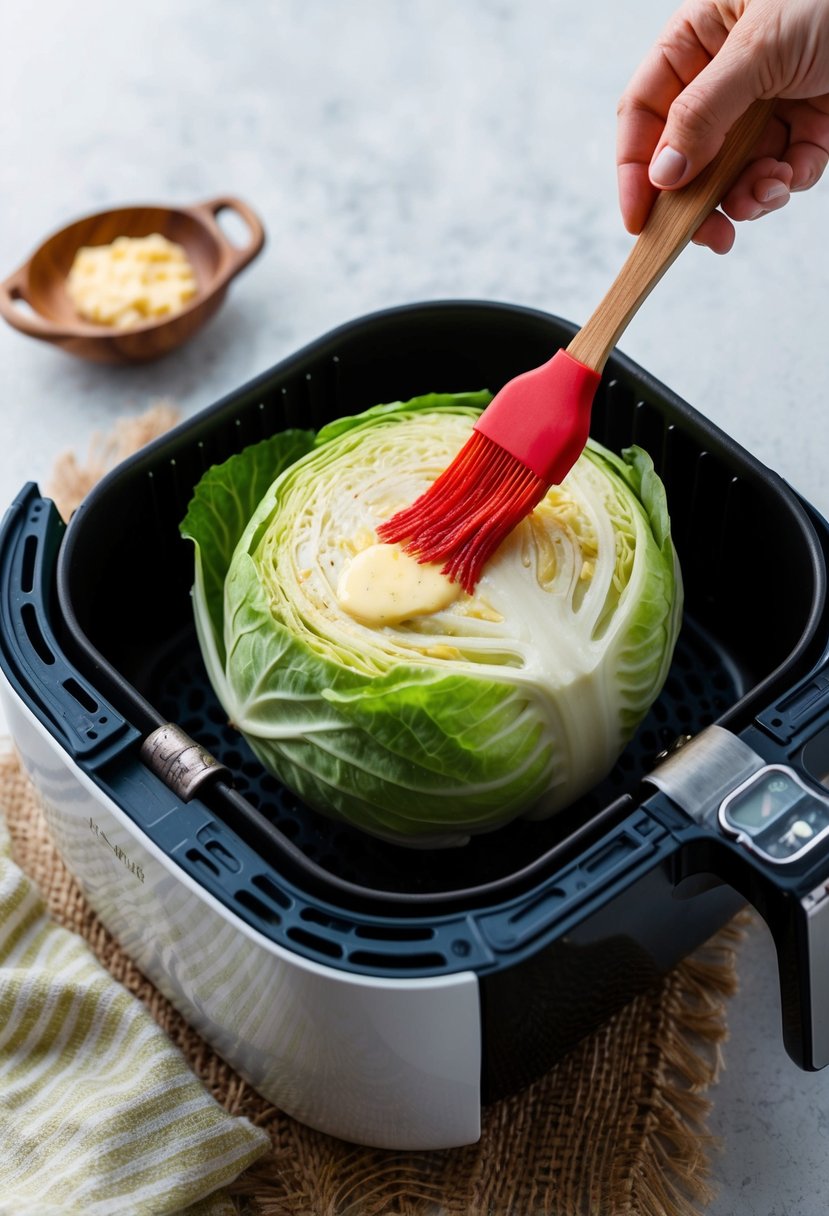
131,281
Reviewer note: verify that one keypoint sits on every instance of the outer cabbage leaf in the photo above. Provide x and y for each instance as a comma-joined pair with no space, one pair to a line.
649,614
220,510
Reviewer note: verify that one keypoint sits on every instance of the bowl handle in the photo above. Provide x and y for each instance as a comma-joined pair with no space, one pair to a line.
31,323
235,257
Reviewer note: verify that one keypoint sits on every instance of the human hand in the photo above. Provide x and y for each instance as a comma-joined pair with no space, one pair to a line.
712,60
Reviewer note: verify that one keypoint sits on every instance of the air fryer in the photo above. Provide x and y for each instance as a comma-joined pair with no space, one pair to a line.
378,993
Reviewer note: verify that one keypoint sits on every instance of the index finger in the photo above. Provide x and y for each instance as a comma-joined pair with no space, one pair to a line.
679,54
641,114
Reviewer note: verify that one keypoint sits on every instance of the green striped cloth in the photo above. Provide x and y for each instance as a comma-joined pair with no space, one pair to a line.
99,1112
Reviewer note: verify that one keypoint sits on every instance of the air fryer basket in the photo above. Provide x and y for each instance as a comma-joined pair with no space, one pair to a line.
124,578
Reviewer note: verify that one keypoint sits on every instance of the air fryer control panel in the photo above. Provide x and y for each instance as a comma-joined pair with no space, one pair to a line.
775,814
770,809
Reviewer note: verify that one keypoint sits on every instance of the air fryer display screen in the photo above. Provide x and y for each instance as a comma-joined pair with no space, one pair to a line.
779,813
761,804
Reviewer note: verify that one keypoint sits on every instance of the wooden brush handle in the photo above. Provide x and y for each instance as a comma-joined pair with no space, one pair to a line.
674,218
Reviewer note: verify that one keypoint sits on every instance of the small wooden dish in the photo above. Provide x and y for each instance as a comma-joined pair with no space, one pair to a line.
34,298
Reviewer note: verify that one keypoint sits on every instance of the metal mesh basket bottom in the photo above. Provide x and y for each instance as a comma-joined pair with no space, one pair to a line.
703,683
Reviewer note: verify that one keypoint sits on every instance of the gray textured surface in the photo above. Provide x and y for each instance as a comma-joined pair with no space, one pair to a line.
403,151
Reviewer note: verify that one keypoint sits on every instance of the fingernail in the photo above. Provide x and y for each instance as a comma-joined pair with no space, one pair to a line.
668,167
775,190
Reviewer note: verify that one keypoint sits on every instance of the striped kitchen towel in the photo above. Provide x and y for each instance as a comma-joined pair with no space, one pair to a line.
99,1112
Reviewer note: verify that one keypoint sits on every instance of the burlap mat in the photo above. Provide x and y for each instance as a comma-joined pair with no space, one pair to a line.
615,1129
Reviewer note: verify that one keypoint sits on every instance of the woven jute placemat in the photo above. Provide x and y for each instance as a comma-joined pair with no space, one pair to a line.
618,1128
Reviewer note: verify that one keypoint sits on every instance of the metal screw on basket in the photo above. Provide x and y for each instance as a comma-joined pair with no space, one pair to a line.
678,743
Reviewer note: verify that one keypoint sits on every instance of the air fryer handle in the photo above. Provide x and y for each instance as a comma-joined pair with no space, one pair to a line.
711,778
801,934
31,655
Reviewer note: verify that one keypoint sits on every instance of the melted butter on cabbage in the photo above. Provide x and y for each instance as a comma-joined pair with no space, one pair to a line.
384,585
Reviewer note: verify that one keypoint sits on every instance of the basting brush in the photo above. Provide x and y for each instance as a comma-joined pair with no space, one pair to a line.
536,426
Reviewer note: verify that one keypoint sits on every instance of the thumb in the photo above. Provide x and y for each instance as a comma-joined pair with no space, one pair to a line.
704,112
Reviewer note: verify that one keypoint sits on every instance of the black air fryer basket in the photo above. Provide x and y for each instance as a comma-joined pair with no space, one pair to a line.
563,920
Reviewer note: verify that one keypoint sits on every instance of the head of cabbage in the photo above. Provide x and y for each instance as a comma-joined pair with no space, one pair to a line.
513,701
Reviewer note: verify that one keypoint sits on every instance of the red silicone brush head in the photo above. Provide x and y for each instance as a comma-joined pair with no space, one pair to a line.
465,514
526,440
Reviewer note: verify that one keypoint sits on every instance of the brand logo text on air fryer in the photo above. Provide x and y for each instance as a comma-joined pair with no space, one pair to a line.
101,835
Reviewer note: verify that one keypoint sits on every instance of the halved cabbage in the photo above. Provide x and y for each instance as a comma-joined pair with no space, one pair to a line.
513,701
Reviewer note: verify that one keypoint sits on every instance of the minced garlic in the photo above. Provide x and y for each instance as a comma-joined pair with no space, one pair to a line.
131,281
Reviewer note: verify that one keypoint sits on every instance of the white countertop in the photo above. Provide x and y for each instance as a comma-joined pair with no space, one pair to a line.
410,151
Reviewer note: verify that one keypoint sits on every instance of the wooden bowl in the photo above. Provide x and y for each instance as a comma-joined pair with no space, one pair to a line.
34,298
